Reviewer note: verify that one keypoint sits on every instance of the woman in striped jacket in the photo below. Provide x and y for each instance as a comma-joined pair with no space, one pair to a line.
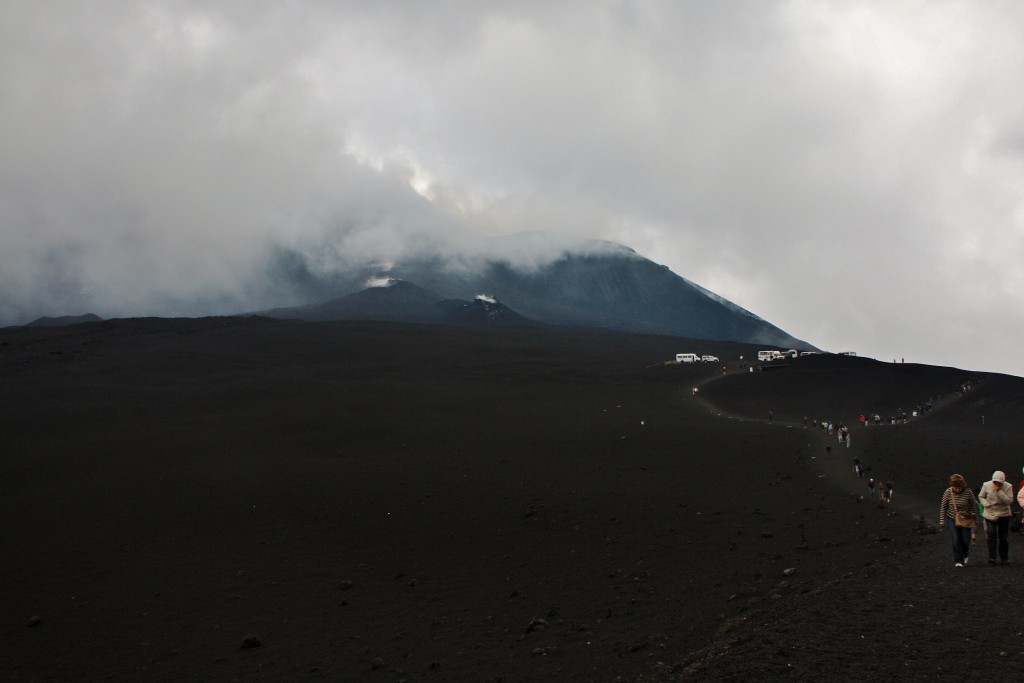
959,497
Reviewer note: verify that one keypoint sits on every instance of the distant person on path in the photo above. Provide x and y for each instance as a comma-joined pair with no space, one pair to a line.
963,526
888,491
871,485
997,496
771,416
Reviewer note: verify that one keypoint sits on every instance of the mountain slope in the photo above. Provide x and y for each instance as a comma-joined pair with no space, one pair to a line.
401,301
65,320
605,285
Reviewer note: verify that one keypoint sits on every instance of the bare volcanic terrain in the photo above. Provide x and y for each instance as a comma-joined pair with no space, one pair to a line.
254,499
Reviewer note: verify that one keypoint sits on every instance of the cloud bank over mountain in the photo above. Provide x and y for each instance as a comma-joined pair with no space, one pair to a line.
852,172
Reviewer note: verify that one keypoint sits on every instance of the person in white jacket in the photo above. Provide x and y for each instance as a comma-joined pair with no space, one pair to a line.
997,497
1020,491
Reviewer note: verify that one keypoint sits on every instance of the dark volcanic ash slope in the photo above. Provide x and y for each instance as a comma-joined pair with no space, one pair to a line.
376,502
893,606
401,301
397,301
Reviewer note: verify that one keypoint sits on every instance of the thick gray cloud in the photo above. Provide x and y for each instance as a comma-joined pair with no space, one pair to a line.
852,172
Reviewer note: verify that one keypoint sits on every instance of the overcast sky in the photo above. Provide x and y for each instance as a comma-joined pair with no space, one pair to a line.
852,172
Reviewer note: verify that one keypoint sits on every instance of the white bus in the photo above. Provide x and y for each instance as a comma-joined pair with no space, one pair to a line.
687,358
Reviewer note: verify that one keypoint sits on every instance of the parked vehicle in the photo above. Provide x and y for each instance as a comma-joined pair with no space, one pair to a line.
687,358
710,359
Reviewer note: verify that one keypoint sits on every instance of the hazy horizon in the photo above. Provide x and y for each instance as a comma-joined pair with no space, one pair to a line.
851,172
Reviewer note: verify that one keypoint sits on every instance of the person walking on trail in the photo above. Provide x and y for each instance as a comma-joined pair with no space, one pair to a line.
958,512
888,491
1020,494
871,486
771,416
997,496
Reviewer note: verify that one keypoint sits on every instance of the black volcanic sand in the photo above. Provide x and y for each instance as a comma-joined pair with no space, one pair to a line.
246,499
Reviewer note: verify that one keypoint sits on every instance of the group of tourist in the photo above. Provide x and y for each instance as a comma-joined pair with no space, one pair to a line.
901,416
840,431
882,488
962,511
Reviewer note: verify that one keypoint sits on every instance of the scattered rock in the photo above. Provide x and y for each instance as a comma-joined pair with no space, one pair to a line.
537,624
250,642
790,571
34,620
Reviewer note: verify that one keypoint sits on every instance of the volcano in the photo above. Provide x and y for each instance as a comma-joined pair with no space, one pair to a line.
605,285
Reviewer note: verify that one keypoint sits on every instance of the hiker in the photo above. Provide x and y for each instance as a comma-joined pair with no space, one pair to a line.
1020,496
1018,520
888,491
771,416
871,485
958,512
997,496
